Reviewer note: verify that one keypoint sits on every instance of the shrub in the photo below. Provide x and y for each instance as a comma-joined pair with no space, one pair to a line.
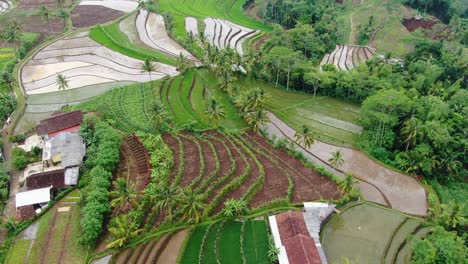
19,158
103,157
17,138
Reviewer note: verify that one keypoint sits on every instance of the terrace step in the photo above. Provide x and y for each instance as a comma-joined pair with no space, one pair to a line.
142,259
398,238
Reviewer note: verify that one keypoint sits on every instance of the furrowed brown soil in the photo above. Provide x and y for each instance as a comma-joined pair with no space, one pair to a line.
239,169
86,16
309,185
191,161
174,145
210,161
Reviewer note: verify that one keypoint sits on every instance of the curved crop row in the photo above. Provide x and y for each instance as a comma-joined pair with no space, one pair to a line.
83,62
224,34
347,57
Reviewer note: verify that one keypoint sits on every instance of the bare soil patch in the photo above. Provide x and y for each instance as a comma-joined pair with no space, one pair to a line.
86,16
412,24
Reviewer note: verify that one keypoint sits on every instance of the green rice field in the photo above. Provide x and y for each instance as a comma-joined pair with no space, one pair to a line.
333,121
228,242
184,96
230,10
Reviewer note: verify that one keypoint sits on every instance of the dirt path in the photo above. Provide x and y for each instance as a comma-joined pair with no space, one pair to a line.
172,250
398,191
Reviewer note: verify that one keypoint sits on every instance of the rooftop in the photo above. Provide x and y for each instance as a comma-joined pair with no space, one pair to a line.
67,148
59,122
53,178
33,197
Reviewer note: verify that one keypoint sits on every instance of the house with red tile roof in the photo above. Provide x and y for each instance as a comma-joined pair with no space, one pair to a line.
63,122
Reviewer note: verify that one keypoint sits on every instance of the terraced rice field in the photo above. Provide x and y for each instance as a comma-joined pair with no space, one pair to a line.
228,242
367,233
90,15
184,96
347,57
333,121
152,31
228,10
83,62
164,250
5,5
119,5
224,34
382,184
222,167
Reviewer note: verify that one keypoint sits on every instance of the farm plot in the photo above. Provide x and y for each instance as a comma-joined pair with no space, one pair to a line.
52,238
333,121
163,250
228,242
228,10
119,5
6,54
184,97
347,57
397,191
246,167
5,5
224,34
366,233
89,15
83,62
152,31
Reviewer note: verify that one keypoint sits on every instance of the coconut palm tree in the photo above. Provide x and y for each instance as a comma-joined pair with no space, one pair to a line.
148,66
257,120
62,83
182,62
412,131
122,229
215,111
13,33
451,215
191,206
305,136
46,15
336,159
165,197
347,184
124,194
158,112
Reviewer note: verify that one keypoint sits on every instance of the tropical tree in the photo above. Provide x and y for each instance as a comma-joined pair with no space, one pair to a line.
257,120
347,184
13,33
182,62
451,215
305,136
234,207
164,197
62,83
148,66
191,206
337,159
158,112
46,15
122,229
215,111
124,194
63,14
412,131
7,80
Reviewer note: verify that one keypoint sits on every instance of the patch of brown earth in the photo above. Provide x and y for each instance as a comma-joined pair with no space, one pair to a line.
413,24
86,16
